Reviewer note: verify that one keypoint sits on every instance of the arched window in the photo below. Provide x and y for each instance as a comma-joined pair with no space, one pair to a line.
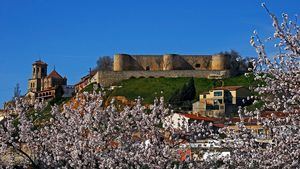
197,65
147,67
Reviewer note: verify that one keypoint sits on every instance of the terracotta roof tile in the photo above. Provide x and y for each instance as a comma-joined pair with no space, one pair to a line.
195,117
55,75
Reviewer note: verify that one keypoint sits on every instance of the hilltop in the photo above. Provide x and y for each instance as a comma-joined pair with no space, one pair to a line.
149,88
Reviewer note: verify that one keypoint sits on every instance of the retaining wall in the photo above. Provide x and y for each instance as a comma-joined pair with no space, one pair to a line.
108,78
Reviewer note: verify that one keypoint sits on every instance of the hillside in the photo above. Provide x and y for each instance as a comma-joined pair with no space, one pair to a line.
149,88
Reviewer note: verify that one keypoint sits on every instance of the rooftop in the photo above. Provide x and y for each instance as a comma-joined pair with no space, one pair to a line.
54,74
39,62
86,77
227,88
195,117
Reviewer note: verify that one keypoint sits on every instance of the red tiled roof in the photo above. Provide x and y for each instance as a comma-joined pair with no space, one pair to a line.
278,114
220,125
195,117
219,122
55,75
86,77
227,88
268,114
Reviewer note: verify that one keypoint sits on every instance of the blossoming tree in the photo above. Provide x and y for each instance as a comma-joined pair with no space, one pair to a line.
85,134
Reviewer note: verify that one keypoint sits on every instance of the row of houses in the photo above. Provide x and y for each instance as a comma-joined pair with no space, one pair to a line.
203,148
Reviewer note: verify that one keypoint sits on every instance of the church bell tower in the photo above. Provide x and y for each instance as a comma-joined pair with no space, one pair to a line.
39,71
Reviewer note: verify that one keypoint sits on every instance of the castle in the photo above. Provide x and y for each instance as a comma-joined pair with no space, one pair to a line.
43,86
125,62
127,66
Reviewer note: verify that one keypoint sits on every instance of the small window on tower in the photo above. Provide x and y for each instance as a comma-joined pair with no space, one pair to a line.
33,70
147,67
197,65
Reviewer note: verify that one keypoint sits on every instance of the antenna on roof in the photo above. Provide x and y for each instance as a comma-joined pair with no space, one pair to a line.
54,67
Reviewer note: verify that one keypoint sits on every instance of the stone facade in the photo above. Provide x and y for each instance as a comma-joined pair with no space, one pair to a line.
169,65
124,62
107,78
43,86
221,101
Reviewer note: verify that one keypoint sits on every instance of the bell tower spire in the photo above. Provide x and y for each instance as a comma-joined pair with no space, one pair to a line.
39,71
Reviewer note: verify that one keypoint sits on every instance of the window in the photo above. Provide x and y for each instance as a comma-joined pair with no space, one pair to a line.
197,65
147,67
260,131
220,101
218,93
212,107
33,70
37,69
216,107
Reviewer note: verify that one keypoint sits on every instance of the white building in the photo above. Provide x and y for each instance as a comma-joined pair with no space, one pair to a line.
176,121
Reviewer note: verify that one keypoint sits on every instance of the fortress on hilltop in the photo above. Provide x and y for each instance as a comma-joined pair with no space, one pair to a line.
125,62
127,66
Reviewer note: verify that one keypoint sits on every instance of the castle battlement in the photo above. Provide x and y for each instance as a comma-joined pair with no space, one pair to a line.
125,62
127,66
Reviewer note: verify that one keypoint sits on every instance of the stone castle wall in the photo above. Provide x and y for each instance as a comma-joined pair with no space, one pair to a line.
108,78
125,62
168,65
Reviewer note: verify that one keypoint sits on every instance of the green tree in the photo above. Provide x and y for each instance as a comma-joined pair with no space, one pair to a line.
188,91
183,98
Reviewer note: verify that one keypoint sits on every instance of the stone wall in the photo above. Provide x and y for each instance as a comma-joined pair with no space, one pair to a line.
149,62
108,78
125,62
198,62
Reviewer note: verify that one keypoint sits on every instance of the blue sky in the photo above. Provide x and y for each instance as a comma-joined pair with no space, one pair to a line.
72,34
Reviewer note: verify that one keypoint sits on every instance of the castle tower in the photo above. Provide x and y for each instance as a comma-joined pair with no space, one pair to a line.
39,71
168,62
123,62
218,62
119,62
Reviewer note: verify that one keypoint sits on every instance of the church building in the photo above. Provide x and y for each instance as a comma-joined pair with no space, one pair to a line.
43,86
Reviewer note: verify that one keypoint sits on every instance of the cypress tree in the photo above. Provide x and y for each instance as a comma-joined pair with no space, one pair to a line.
185,94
